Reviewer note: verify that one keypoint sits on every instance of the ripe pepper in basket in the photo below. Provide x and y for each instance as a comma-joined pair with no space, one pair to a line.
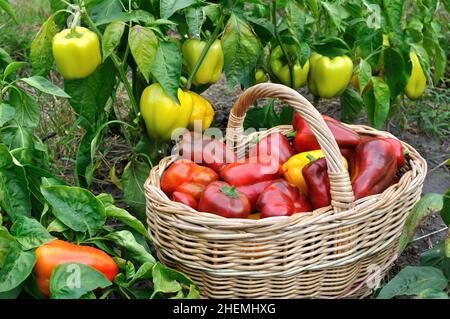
373,167
305,140
276,145
206,151
282,199
185,171
223,199
399,151
316,178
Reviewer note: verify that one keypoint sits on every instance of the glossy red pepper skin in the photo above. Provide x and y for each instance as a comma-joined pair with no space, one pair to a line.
373,167
223,199
58,252
276,145
298,121
318,183
398,149
281,199
252,191
252,170
185,171
191,188
207,151
185,199
306,141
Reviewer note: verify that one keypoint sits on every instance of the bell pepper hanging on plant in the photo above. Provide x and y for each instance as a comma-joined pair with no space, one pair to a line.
210,69
77,52
329,78
161,114
280,67
202,111
417,81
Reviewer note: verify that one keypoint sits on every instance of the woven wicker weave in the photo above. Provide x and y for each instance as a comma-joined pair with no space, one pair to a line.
334,252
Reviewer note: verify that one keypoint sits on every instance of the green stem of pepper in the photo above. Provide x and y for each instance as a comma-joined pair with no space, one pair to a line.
208,44
280,42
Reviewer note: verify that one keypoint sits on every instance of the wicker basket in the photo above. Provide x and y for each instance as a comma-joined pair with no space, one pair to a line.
333,252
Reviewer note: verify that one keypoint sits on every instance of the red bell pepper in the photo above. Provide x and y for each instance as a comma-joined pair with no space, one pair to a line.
252,170
318,183
207,151
185,199
58,252
185,171
373,167
306,141
223,199
191,188
281,199
398,149
276,145
252,191
298,121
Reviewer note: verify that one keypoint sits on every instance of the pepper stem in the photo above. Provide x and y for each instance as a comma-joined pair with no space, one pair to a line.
230,191
73,27
311,157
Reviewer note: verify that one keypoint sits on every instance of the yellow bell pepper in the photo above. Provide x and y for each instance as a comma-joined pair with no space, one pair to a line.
280,68
329,78
210,70
78,54
161,114
202,111
417,81
292,169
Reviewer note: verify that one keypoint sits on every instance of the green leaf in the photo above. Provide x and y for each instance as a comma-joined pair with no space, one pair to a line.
296,19
432,294
437,258
41,55
76,207
83,161
365,74
143,46
73,280
169,7
166,68
27,109
382,102
17,266
130,247
111,37
13,293
303,53
133,178
44,85
14,192
90,95
5,6
106,11
395,75
411,281
427,205
440,61
6,240
394,11
56,226
351,105
12,68
334,14
445,212
195,17
125,217
29,233
7,113
193,292
241,50
163,282
331,46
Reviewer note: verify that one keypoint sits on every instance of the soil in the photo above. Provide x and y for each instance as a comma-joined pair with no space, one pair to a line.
434,150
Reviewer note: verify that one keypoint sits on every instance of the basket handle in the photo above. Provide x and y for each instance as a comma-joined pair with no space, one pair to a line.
340,186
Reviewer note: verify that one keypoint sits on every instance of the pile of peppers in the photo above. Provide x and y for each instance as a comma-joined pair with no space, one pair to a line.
280,176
